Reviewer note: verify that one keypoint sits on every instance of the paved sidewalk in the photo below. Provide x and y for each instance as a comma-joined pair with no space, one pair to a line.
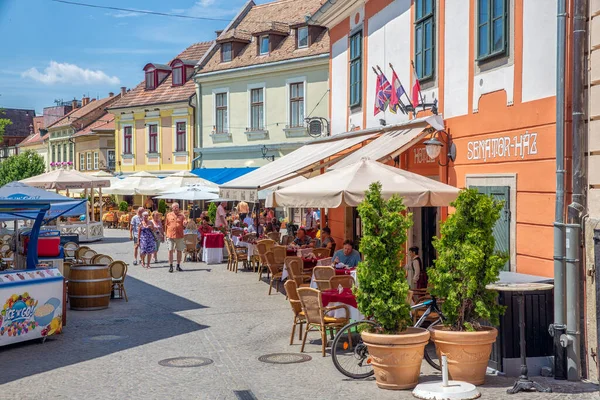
204,311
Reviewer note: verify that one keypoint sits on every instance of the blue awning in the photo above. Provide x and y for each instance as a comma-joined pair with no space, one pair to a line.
221,175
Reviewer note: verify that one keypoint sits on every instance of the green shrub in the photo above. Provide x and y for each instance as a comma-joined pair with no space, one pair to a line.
123,206
162,206
383,289
467,262
212,212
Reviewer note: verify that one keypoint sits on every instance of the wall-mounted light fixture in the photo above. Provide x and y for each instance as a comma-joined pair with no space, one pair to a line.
433,146
264,151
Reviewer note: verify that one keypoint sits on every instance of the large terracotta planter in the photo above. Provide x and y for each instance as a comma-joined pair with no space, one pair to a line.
468,353
396,359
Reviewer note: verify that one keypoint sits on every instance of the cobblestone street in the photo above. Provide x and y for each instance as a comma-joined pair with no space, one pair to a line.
204,311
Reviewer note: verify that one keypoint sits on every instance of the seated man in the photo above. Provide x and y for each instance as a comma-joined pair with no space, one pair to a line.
303,240
347,255
326,239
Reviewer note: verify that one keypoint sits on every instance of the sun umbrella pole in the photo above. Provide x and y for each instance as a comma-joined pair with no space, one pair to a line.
100,200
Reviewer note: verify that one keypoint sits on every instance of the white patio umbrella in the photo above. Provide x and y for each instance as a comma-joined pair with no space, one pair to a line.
347,186
66,179
175,181
267,194
189,193
99,174
128,185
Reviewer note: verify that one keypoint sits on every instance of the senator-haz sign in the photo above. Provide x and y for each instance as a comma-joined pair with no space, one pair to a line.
521,146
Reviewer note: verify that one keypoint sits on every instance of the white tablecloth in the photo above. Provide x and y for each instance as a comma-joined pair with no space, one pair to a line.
236,240
212,256
313,284
250,246
341,313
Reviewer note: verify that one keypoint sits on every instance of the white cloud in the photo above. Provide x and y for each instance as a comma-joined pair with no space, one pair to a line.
69,73
124,14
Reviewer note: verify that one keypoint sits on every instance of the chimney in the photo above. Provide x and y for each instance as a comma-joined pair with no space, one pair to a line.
110,94
219,32
123,90
74,104
85,101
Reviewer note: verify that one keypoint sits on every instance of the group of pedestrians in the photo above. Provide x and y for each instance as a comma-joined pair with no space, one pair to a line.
148,233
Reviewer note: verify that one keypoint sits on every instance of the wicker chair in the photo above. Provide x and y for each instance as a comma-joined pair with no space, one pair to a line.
321,252
312,305
70,248
345,280
276,236
4,249
322,276
249,237
124,221
236,254
286,239
191,246
86,255
80,250
295,267
299,318
6,238
280,253
118,272
275,269
67,269
102,259
263,246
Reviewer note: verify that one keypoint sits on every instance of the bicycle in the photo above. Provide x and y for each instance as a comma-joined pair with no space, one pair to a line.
351,356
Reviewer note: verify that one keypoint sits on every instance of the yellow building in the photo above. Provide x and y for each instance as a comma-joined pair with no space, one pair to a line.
95,145
259,86
155,121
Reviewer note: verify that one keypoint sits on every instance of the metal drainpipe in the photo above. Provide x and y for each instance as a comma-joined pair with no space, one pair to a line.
558,328
576,209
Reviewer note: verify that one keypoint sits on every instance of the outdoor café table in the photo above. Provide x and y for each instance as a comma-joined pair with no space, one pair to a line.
338,271
332,298
291,252
212,251
519,289
250,246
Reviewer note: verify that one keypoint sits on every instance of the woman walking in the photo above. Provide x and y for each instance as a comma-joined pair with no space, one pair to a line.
159,233
147,240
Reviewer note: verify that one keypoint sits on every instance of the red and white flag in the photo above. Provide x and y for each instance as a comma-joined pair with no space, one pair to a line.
377,108
416,89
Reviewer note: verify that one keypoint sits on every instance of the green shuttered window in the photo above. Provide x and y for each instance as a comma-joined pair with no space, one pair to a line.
424,39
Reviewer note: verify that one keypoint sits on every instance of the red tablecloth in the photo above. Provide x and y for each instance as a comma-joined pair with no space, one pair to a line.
310,263
332,296
291,253
344,271
214,240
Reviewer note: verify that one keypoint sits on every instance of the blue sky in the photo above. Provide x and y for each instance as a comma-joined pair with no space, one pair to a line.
59,51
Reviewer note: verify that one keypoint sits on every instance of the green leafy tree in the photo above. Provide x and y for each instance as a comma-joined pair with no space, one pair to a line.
212,212
467,262
383,290
123,206
21,166
4,122
162,206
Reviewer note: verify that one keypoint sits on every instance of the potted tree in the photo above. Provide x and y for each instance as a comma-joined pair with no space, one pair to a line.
212,213
466,263
162,207
123,206
395,348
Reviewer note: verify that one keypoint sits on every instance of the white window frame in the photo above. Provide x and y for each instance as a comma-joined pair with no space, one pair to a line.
509,180
88,157
175,122
82,161
96,161
123,126
214,113
288,82
230,52
263,86
260,41
298,37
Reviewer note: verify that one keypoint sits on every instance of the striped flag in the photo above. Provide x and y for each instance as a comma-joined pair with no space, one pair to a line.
416,89
397,92
377,108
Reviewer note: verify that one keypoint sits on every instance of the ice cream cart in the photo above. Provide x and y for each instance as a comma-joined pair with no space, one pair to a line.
32,297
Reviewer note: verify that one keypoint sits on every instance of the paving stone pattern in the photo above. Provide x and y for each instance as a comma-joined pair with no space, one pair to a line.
204,311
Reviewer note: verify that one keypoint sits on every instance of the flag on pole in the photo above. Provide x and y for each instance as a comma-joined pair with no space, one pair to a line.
397,92
416,89
377,108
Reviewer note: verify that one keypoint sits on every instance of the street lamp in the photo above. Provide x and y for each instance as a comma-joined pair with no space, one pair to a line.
433,147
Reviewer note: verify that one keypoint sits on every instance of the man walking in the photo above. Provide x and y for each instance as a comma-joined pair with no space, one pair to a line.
174,226
221,219
134,224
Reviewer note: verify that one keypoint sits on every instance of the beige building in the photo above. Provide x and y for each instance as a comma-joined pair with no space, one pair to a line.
95,146
260,83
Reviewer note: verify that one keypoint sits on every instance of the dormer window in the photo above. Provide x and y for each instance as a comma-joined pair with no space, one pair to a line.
264,45
151,78
178,75
302,37
226,52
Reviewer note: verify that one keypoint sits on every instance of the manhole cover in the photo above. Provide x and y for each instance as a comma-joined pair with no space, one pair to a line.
107,337
284,358
185,362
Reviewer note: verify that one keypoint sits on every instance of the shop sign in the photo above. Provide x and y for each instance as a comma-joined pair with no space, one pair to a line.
420,156
492,149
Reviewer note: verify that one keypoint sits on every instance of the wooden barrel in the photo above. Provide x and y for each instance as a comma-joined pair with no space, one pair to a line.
89,287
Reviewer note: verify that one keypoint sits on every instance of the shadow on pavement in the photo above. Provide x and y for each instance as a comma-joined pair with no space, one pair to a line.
149,316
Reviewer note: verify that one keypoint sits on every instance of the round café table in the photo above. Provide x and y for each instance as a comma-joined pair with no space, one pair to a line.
212,251
523,383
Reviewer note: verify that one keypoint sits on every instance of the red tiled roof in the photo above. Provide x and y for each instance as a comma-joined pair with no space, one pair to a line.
79,115
106,122
165,92
277,17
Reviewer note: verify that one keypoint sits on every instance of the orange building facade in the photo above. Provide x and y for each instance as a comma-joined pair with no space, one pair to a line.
495,88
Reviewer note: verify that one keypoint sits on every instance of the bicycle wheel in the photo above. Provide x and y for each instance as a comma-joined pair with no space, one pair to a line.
430,354
348,352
